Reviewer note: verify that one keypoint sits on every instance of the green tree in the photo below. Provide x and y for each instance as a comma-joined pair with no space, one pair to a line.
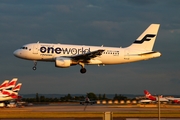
69,97
119,97
100,97
42,99
91,96
37,97
104,97
115,97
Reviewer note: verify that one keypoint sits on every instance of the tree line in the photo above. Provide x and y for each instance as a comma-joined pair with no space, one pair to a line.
70,98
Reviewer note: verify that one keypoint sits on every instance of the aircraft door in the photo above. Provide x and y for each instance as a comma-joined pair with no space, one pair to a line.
126,54
35,48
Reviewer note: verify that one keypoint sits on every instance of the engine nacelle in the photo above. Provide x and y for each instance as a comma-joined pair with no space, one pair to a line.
63,62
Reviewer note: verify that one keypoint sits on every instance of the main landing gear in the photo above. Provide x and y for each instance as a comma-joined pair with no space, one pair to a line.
82,70
34,67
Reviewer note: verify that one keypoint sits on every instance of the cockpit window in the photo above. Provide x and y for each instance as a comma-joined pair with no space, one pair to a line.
25,48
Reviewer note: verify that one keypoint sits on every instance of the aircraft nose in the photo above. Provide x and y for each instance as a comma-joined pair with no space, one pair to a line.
16,53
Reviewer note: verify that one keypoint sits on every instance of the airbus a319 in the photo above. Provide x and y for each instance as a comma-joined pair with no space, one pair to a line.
65,55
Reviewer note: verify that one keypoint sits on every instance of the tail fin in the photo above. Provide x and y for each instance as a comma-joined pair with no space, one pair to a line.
146,40
11,84
4,84
149,96
17,87
12,92
7,92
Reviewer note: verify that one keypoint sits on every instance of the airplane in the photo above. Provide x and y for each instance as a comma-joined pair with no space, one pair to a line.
166,99
9,85
14,90
6,85
174,100
145,101
66,55
155,98
17,87
10,91
9,96
87,101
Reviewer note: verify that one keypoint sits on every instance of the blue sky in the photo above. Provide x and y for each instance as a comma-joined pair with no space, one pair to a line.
91,22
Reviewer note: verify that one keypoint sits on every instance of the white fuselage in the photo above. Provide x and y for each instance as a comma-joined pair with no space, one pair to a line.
111,55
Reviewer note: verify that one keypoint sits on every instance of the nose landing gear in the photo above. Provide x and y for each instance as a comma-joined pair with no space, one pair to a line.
34,67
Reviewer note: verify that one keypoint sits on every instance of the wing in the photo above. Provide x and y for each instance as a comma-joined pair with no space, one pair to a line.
87,56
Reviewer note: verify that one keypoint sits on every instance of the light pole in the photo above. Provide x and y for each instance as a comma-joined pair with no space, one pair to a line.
159,110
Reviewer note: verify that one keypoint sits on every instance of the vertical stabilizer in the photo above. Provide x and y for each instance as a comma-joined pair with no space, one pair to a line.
146,40
149,96
17,87
13,92
4,84
11,84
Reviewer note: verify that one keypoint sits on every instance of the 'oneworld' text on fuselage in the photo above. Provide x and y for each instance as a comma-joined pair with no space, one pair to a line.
58,50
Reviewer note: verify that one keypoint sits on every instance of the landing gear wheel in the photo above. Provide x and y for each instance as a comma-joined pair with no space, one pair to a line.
34,68
83,70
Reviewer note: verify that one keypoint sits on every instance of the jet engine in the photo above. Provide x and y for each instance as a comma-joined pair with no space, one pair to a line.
63,62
